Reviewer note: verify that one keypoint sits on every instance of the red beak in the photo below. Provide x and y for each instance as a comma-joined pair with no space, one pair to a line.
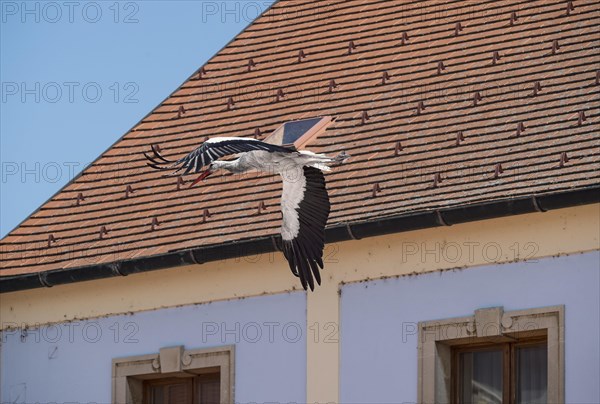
201,177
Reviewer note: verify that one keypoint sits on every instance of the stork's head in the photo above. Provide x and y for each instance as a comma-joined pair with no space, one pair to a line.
212,167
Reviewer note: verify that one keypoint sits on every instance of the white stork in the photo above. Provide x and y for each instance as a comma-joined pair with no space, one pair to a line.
304,201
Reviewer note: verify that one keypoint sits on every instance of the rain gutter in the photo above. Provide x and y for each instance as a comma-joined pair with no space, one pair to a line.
337,233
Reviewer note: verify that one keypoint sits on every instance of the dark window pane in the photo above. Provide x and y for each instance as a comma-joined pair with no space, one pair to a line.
532,374
481,377
209,389
165,392
210,393
156,395
295,129
292,131
179,394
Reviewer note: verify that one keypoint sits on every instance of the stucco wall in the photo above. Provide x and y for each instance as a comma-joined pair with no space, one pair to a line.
492,243
75,366
379,319
378,352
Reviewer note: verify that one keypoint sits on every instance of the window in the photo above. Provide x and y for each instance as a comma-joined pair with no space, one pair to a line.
501,373
175,376
298,133
493,357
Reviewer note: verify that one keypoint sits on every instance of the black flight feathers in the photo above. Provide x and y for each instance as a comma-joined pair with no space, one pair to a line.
305,252
210,151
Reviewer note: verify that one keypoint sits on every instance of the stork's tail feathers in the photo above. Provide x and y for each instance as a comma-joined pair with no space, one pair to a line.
341,157
322,162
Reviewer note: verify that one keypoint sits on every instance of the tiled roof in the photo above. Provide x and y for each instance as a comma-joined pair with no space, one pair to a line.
439,104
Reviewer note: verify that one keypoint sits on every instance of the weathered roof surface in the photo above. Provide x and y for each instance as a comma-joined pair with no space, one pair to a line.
520,138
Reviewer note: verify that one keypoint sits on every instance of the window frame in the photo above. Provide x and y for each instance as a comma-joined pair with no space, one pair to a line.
129,373
437,339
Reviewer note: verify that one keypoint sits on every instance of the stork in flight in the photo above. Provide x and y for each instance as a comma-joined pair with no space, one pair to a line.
304,201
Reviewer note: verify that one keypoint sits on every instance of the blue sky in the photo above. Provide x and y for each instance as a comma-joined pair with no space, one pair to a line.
77,75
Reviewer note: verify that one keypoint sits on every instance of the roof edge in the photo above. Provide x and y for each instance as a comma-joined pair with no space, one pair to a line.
338,233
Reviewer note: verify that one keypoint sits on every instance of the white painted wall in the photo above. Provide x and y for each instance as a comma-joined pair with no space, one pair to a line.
379,319
269,333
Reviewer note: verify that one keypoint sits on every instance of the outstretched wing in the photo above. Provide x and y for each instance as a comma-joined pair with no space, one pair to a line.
305,207
211,150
